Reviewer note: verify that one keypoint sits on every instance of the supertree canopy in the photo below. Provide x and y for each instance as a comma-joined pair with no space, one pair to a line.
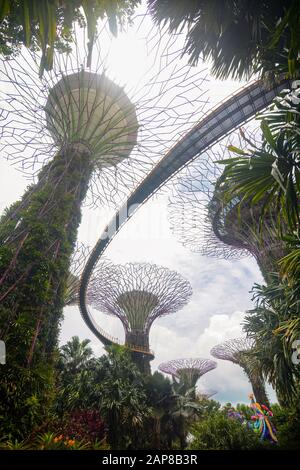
204,223
188,371
85,106
238,351
88,109
137,294
82,138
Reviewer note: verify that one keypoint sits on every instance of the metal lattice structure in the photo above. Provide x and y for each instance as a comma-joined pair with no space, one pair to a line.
190,200
222,120
238,351
233,349
137,294
188,370
125,132
201,220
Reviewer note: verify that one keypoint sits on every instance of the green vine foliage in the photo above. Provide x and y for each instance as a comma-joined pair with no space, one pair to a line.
37,237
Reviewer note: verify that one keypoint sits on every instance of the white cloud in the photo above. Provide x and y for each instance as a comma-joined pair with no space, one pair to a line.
12,185
219,286
228,379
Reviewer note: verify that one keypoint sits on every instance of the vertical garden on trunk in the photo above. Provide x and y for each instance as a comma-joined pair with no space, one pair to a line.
37,240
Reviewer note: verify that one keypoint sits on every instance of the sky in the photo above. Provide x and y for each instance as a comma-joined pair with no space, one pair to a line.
221,288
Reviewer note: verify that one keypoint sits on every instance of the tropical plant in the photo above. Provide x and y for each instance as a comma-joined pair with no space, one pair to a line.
77,391
76,385
184,412
53,441
268,178
290,264
173,408
274,324
287,423
49,441
269,175
160,399
218,432
84,425
49,24
240,37
14,444
122,399
75,355
110,387
36,245
186,385
207,407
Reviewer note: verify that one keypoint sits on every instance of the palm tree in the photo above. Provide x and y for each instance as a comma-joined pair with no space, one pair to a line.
75,355
159,399
184,413
183,408
122,399
274,324
268,178
270,174
75,369
239,37
290,264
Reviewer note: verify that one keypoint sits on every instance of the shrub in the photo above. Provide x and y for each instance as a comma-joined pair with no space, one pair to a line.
51,441
218,432
287,423
85,425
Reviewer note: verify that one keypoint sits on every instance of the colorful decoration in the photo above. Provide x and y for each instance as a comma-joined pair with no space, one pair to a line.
260,421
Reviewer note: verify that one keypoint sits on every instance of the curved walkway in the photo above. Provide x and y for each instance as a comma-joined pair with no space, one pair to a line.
221,120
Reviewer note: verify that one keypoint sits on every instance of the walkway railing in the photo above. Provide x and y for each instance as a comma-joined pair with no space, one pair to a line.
221,120
109,339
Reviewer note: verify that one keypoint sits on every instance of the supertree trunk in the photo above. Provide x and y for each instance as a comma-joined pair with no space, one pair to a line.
137,294
156,435
142,361
37,237
246,233
258,386
259,391
139,340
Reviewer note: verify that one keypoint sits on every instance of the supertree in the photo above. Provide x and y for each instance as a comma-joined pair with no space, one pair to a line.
204,223
238,351
137,294
187,372
80,136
